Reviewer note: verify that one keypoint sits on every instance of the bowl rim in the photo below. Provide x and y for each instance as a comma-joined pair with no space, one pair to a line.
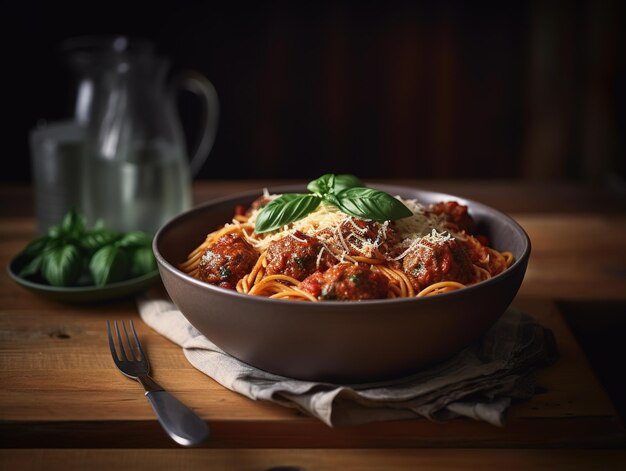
84,294
390,188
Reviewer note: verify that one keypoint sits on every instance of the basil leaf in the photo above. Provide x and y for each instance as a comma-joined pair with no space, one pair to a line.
61,266
32,267
35,252
322,185
74,224
36,246
64,257
331,183
55,232
142,261
371,204
108,265
99,224
96,239
331,198
135,239
285,209
343,182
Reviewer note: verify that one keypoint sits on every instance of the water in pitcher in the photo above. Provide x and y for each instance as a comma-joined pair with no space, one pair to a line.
139,194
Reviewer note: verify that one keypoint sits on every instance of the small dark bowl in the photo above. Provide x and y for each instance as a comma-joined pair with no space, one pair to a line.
342,342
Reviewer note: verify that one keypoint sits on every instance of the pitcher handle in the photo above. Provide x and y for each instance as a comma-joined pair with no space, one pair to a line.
199,85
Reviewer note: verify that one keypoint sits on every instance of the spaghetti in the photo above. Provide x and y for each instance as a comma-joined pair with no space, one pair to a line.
329,255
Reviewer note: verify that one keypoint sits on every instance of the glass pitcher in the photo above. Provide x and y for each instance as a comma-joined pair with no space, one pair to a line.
137,173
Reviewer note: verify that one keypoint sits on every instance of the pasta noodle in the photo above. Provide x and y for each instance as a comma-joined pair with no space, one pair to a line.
331,255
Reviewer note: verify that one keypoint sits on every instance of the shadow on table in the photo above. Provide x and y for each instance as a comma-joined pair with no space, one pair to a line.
600,327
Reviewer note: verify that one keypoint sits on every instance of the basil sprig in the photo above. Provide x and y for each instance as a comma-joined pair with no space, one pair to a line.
72,254
346,192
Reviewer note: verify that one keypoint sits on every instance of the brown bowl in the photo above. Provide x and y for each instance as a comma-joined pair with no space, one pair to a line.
338,341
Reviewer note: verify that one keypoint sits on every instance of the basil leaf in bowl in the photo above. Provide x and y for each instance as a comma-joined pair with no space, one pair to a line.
74,262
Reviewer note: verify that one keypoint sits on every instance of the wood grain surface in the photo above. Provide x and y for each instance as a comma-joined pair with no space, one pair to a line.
61,388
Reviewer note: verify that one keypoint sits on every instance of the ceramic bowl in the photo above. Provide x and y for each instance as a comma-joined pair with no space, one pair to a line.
335,341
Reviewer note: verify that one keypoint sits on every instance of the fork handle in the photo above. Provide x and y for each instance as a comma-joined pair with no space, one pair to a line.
181,423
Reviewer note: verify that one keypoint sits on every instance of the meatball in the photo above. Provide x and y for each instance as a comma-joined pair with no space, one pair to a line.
297,255
227,260
479,254
363,237
455,215
313,284
347,282
434,261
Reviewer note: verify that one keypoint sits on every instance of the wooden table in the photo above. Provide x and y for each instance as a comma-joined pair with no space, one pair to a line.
63,404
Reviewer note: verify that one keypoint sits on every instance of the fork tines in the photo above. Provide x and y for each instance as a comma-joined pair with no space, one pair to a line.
126,352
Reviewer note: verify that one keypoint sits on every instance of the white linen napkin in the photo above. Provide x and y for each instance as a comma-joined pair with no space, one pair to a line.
480,382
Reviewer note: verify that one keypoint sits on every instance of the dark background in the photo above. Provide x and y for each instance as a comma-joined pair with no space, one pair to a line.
526,89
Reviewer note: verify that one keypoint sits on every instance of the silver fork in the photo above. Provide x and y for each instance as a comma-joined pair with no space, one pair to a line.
180,422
